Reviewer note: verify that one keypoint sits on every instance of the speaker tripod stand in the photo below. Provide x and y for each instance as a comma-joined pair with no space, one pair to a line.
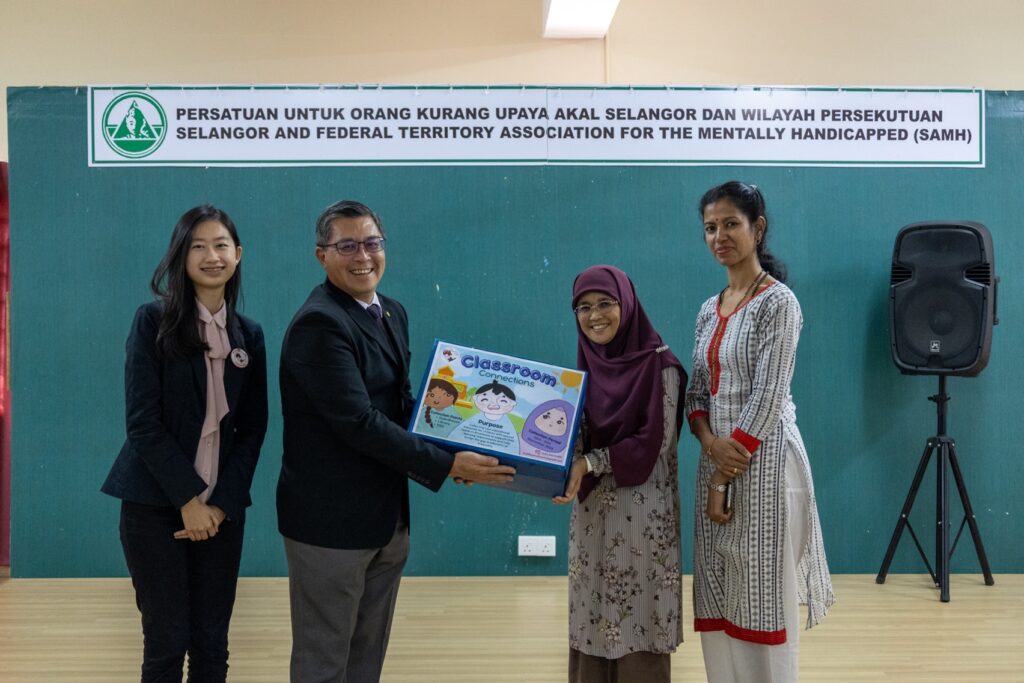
945,447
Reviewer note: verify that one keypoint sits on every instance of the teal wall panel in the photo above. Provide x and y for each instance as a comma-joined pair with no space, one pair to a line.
486,256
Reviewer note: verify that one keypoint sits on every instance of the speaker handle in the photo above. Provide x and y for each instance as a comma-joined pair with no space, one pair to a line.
995,301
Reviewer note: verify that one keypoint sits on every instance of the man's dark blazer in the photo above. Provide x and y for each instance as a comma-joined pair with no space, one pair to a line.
346,401
165,405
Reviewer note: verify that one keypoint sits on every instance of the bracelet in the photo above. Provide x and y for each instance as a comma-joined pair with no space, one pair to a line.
720,488
707,452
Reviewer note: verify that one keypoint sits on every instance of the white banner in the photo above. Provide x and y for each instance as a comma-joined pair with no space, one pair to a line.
422,125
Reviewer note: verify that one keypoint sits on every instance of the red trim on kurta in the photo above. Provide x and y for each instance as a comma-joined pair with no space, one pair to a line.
740,633
749,442
697,413
714,366
718,306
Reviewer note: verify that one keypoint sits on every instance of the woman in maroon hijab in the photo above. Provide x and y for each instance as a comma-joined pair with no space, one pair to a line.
625,592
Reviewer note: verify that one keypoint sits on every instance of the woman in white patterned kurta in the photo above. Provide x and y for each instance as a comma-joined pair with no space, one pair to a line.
625,593
756,563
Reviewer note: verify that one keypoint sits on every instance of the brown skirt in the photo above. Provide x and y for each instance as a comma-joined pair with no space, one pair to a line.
637,667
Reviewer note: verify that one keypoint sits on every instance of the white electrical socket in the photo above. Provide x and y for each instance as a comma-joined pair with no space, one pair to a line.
536,546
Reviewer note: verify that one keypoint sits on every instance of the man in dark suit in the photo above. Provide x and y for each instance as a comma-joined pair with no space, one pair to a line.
343,498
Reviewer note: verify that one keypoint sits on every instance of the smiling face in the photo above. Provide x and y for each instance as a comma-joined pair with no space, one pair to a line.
213,257
359,274
493,404
601,322
438,399
729,234
552,422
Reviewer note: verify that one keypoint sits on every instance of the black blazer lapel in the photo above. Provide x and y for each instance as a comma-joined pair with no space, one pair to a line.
233,374
397,339
198,363
365,322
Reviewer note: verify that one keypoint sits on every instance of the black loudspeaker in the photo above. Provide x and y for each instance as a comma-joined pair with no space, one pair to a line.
942,298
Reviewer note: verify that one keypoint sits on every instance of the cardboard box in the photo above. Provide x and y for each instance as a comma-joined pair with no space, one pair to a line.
525,413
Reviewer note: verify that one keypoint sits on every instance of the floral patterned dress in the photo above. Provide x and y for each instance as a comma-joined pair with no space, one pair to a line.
625,555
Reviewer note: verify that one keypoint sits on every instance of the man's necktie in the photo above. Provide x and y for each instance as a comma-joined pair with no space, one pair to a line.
374,311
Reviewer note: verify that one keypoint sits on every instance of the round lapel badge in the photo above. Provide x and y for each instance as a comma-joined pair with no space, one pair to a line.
239,357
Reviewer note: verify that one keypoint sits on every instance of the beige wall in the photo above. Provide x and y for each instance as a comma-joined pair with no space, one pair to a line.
703,42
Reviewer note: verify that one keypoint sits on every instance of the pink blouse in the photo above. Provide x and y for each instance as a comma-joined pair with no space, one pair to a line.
212,330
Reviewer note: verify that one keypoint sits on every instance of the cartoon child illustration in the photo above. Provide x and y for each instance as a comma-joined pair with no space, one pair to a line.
491,427
440,396
546,431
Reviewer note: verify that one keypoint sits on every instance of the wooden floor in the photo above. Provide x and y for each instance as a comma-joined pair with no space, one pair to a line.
514,629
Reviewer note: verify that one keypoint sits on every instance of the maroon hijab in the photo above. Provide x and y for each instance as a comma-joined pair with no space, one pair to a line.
623,405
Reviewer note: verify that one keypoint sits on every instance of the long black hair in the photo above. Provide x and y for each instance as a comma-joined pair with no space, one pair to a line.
749,200
179,333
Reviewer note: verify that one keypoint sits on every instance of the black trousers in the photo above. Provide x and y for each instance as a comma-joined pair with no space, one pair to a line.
185,591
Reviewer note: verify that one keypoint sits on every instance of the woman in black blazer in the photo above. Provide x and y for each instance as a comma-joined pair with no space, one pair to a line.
196,406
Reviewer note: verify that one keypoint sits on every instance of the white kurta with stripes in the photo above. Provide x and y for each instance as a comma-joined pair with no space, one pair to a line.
742,368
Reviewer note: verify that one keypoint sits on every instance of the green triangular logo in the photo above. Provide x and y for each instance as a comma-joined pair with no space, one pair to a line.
134,126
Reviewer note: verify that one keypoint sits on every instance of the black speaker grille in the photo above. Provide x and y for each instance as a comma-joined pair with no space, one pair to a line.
900,273
940,321
980,273
942,298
